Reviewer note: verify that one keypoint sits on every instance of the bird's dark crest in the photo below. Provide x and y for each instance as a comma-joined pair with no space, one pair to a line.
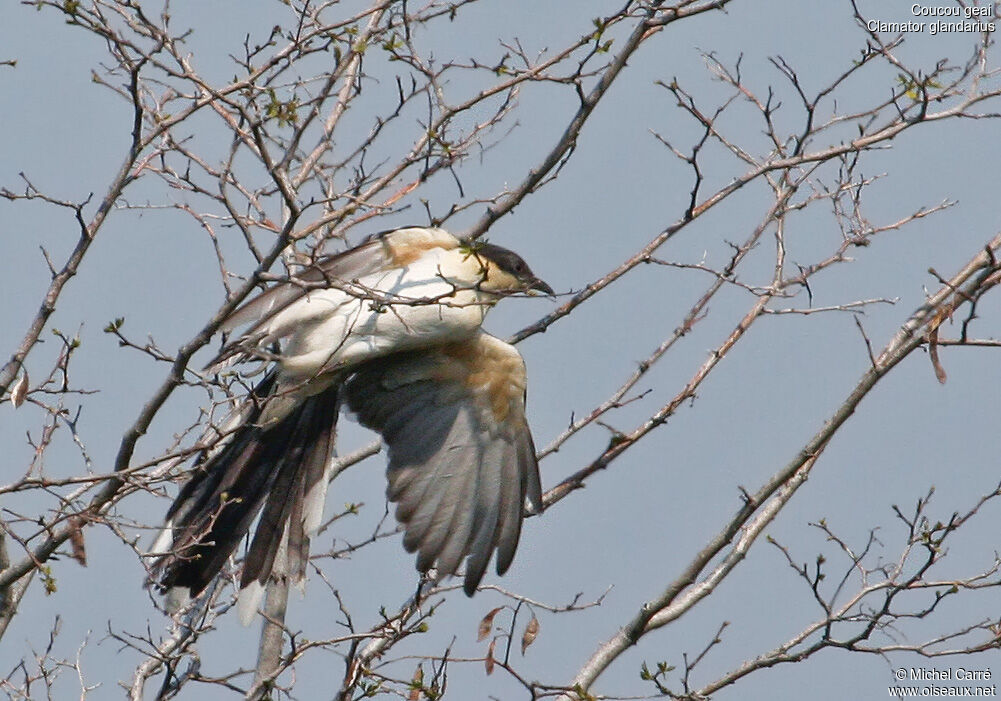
504,258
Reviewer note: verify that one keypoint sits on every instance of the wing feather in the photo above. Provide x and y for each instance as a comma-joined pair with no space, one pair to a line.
461,460
508,529
481,545
450,526
471,517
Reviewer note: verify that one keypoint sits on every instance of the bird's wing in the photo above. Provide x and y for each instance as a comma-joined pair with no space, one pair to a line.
462,463
383,251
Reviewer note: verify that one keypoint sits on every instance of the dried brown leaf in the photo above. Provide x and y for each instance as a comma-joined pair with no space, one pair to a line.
20,390
79,550
486,624
933,354
489,661
416,684
531,631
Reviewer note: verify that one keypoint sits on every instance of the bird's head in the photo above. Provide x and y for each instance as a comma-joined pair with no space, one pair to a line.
504,271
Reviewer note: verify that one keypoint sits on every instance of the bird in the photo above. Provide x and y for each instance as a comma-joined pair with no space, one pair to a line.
392,329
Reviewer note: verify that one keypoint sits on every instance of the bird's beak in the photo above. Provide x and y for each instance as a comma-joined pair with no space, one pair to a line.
537,285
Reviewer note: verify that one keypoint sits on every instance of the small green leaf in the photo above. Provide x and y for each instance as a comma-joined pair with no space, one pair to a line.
48,580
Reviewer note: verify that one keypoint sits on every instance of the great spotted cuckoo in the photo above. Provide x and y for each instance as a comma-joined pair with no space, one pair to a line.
392,329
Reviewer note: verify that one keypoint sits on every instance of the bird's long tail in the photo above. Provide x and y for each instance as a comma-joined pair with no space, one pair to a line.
279,465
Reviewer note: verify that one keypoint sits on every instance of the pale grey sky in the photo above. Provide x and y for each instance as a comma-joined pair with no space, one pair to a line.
639,522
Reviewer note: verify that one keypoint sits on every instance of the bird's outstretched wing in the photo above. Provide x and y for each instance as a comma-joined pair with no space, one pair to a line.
462,463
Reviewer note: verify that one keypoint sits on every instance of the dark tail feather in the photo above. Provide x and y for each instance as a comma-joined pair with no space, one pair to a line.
278,465
303,460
